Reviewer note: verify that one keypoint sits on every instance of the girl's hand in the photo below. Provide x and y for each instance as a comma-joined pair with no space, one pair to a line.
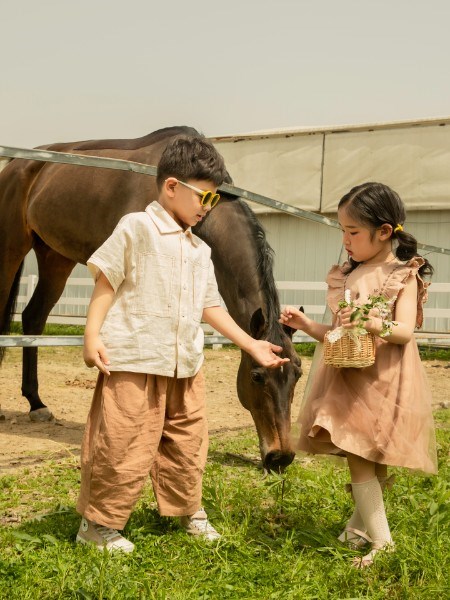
95,355
344,316
264,354
293,317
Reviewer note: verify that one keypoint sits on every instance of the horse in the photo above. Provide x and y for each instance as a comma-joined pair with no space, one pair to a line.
65,212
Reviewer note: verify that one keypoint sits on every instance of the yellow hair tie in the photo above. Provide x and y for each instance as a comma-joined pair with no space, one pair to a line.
398,228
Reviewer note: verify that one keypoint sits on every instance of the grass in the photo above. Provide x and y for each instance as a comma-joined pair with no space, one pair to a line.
51,329
279,536
279,533
432,353
305,348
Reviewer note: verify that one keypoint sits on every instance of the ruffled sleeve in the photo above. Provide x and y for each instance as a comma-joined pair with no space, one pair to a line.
397,281
336,284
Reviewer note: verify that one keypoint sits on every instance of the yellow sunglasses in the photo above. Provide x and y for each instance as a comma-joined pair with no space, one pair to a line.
206,198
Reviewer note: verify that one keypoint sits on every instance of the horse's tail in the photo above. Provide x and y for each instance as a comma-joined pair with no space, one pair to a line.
4,161
6,318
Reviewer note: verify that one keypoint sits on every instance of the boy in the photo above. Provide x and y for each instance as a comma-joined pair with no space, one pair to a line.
154,284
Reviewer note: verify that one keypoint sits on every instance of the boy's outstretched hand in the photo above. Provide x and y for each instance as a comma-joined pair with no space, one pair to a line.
261,350
264,354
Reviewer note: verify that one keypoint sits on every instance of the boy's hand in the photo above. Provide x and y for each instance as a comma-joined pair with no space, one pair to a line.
293,317
95,355
264,354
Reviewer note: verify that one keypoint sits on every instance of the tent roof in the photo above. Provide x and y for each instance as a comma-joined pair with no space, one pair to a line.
328,129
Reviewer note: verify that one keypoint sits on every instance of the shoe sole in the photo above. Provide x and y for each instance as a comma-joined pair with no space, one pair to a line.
81,540
210,537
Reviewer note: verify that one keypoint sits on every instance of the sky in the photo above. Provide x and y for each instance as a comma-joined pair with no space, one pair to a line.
93,69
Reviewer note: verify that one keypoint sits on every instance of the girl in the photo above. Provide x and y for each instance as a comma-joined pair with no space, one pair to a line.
379,415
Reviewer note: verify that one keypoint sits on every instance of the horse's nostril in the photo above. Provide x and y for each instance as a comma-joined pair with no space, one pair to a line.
278,461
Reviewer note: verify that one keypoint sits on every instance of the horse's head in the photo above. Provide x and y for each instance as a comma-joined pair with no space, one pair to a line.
268,394
243,262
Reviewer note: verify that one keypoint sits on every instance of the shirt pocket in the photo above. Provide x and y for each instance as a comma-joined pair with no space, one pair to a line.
154,284
199,286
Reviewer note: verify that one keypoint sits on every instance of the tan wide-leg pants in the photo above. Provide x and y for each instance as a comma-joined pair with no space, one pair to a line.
140,424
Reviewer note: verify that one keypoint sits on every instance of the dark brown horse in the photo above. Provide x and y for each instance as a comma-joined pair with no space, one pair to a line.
64,212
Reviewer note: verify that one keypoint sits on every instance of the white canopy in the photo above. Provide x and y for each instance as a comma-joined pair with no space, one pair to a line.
313,168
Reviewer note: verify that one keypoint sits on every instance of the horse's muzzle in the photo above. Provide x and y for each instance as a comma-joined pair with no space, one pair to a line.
277,461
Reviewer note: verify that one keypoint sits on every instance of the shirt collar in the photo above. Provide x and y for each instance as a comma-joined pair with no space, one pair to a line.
166,224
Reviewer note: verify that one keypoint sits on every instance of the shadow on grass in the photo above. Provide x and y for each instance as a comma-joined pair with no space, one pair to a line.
229,459
59,525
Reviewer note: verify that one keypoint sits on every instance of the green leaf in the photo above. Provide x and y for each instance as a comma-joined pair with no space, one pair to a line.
18,535
433,508
49,538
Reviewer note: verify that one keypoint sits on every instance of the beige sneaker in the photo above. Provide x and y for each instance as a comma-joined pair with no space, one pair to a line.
198,525
102,537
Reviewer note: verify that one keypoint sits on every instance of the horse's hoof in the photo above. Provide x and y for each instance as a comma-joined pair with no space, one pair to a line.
41,415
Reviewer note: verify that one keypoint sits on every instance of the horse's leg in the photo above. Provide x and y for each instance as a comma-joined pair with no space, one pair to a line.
15,243
54,270
10,272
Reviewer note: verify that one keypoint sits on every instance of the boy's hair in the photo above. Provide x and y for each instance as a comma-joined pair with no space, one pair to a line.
374,204
191,157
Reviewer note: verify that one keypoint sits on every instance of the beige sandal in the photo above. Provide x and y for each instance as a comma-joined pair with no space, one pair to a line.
354,538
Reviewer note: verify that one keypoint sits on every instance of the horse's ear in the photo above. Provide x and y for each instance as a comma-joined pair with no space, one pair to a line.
257,324
289,330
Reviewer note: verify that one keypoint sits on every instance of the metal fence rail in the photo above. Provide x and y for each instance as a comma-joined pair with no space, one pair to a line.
35,341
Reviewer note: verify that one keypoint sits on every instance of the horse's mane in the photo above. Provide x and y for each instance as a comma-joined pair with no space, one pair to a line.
265,254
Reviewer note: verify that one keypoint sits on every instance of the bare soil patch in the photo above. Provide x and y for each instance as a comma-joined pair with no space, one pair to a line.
66,386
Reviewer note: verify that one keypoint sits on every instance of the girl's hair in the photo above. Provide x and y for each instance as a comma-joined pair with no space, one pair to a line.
374,204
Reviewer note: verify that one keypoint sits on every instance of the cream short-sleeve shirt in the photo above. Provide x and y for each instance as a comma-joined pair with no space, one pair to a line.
163,278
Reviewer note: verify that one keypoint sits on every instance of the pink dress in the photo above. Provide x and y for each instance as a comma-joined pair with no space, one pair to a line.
382,412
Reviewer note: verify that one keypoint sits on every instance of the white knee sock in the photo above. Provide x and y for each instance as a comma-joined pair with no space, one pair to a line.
369,503
356,521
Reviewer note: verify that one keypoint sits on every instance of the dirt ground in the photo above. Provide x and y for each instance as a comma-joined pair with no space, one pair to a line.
66,386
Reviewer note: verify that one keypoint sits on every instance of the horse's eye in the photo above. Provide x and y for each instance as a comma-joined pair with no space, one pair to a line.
257,377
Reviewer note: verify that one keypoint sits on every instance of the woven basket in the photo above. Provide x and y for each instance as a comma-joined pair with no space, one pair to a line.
347,352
